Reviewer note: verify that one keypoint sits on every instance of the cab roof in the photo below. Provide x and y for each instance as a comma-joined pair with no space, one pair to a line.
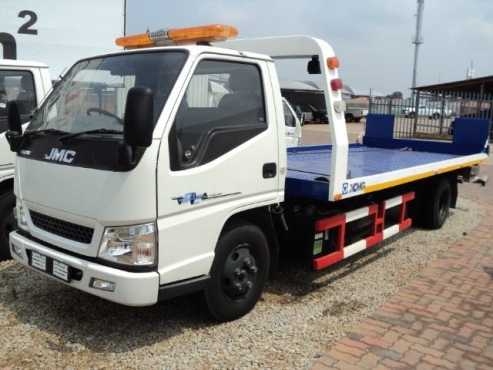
21,63
195,50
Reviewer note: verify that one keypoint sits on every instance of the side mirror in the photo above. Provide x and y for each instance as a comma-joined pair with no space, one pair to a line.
138,123
14,134
313,66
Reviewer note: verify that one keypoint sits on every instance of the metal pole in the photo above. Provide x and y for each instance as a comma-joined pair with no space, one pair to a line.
418,40
442,112
416,115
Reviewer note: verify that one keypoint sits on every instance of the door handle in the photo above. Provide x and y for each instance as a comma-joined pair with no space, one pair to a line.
269,170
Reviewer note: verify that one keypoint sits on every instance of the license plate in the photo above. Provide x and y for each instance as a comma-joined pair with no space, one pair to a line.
60,270
50,266
38,261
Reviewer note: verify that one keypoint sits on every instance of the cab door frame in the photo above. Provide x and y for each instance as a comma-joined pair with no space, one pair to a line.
185,252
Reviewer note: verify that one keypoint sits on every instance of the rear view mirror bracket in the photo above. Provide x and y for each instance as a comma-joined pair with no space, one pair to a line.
14,134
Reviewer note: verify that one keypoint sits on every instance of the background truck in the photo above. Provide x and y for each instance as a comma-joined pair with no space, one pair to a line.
31,30
131,190
27,83
293,125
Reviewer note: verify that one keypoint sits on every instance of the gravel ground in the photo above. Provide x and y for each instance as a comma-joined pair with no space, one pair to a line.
47,325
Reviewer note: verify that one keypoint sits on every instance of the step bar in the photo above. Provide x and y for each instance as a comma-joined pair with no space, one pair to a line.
338,223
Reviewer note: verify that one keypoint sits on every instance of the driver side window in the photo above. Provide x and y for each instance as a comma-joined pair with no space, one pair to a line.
223,107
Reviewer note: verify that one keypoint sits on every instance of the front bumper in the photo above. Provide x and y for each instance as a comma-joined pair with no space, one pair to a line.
132,288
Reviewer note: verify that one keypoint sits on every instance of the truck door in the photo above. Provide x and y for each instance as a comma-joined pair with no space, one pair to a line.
219,156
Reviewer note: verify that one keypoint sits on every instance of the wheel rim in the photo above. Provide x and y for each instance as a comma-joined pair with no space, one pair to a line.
443,204
239,272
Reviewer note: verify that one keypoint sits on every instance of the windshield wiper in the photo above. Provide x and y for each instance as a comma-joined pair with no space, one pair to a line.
44,132
96,131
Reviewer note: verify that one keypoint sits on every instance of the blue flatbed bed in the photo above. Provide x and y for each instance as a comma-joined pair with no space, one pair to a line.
383,161
309,166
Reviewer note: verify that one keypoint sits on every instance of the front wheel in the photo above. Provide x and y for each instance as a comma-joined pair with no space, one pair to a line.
239,272
7,223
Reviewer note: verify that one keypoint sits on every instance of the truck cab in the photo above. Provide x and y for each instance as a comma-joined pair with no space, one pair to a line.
27,83
134,148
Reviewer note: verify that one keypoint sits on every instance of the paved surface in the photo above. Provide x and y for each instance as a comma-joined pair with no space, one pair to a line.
443,319
319,133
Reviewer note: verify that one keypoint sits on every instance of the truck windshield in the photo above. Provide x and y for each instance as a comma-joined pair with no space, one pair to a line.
92,95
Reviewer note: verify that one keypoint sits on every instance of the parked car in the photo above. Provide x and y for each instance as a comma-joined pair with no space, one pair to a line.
356,109
427,111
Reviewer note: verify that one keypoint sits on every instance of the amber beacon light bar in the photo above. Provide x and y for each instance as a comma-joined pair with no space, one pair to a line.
177,36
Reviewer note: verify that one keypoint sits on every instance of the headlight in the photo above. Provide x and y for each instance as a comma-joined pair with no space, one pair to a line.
130,245
21,216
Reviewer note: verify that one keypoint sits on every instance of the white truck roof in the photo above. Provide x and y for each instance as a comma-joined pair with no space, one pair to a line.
197,49
21,63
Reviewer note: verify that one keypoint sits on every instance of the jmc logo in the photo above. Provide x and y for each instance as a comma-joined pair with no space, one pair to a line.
61,155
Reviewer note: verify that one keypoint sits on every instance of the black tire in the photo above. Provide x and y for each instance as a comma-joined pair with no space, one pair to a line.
436,204
239,272
7,223
435,116
349,117
411,115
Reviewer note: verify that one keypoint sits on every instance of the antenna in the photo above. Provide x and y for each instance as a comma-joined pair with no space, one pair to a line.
418,40
470,71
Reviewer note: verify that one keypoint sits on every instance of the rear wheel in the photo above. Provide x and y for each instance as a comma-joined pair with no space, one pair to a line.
239,272
7,223
436,204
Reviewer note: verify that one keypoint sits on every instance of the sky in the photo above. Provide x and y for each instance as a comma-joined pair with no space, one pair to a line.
372,38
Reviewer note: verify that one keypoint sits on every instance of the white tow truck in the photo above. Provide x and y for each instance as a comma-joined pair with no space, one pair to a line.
130,189
27,83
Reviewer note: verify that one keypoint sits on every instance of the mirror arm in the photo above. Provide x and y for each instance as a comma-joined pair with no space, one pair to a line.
14,139
126,155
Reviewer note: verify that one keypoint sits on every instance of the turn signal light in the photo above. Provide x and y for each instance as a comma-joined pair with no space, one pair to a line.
177,36
336,84
333,62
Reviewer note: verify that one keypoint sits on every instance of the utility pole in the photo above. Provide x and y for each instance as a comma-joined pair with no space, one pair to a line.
418,40
470,71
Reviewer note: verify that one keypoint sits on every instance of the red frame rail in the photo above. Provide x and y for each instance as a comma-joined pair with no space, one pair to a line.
338,223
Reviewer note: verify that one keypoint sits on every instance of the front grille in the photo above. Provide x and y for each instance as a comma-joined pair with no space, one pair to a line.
65,229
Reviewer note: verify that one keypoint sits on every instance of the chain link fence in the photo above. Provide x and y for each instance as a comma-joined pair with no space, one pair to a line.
431,115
